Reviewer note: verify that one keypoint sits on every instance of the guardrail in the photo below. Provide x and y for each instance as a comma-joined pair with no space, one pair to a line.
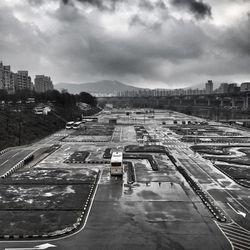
23,162
20,164
10,148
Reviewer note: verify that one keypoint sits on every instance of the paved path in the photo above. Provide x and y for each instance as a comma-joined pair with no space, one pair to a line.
11,158
239,237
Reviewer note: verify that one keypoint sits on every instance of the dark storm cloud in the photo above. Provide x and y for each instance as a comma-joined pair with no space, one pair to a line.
97,52
200,9
242,37
136,40
236,38
150,6
111,4
21,44
161,5
37,2
147,5
130,56
106,5
93,2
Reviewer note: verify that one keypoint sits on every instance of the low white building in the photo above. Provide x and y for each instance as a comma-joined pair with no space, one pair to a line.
42,109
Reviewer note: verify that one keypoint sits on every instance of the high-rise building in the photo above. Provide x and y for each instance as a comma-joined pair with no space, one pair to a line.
6,78
233,88
245,86
43,83
209,87
22,80
224,87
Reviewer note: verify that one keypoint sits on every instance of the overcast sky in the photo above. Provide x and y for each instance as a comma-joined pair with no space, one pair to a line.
146,43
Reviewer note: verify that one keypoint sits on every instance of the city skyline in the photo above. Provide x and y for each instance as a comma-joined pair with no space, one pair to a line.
184,42
15,81
219,87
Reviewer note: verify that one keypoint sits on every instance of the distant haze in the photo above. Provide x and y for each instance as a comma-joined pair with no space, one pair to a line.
103,87
106,87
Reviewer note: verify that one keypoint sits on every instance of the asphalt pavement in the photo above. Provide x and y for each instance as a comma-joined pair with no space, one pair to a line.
159,211
11,158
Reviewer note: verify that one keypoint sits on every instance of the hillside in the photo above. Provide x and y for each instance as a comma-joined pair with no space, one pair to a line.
101,87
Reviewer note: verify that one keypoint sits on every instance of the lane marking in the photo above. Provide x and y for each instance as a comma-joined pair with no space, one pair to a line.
240,242
236,211
235,243
235,231
240,227
214,180
14,155
66,149
43,246
224,234
4,162
240,238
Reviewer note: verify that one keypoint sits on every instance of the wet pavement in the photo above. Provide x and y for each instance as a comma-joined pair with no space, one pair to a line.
158,211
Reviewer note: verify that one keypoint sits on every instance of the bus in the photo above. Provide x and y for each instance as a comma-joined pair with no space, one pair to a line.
69,125
116,163
77,125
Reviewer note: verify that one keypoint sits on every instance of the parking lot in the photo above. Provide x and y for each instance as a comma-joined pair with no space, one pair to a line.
164,192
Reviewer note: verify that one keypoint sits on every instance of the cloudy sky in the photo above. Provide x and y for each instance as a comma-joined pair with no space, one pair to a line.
146,43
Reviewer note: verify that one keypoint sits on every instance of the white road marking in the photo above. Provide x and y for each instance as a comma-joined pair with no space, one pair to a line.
225,188
66,149
239,238
43,246
235,230
236,211
238,248
224,234
14,155
4,162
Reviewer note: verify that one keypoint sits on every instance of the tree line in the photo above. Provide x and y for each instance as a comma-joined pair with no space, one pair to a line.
64,99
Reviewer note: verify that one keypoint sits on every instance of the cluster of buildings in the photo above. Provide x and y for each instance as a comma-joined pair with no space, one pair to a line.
13,82
227,88
224,88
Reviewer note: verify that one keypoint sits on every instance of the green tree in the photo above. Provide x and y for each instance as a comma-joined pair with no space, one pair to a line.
87,98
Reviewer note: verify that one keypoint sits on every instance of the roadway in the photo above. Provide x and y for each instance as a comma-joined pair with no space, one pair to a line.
147,215
11,158
159,211
231,197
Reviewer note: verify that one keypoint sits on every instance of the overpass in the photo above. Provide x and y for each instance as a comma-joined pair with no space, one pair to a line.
234,120
229,100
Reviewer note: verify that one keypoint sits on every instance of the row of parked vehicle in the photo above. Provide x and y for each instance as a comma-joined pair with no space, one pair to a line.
74,125
80,124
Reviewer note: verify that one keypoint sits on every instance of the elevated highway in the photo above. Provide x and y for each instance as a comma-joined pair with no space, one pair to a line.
234,100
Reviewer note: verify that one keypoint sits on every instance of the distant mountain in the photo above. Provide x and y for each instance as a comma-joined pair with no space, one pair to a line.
100,87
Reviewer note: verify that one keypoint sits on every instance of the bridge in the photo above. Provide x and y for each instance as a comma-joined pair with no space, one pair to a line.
238,100
234,120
